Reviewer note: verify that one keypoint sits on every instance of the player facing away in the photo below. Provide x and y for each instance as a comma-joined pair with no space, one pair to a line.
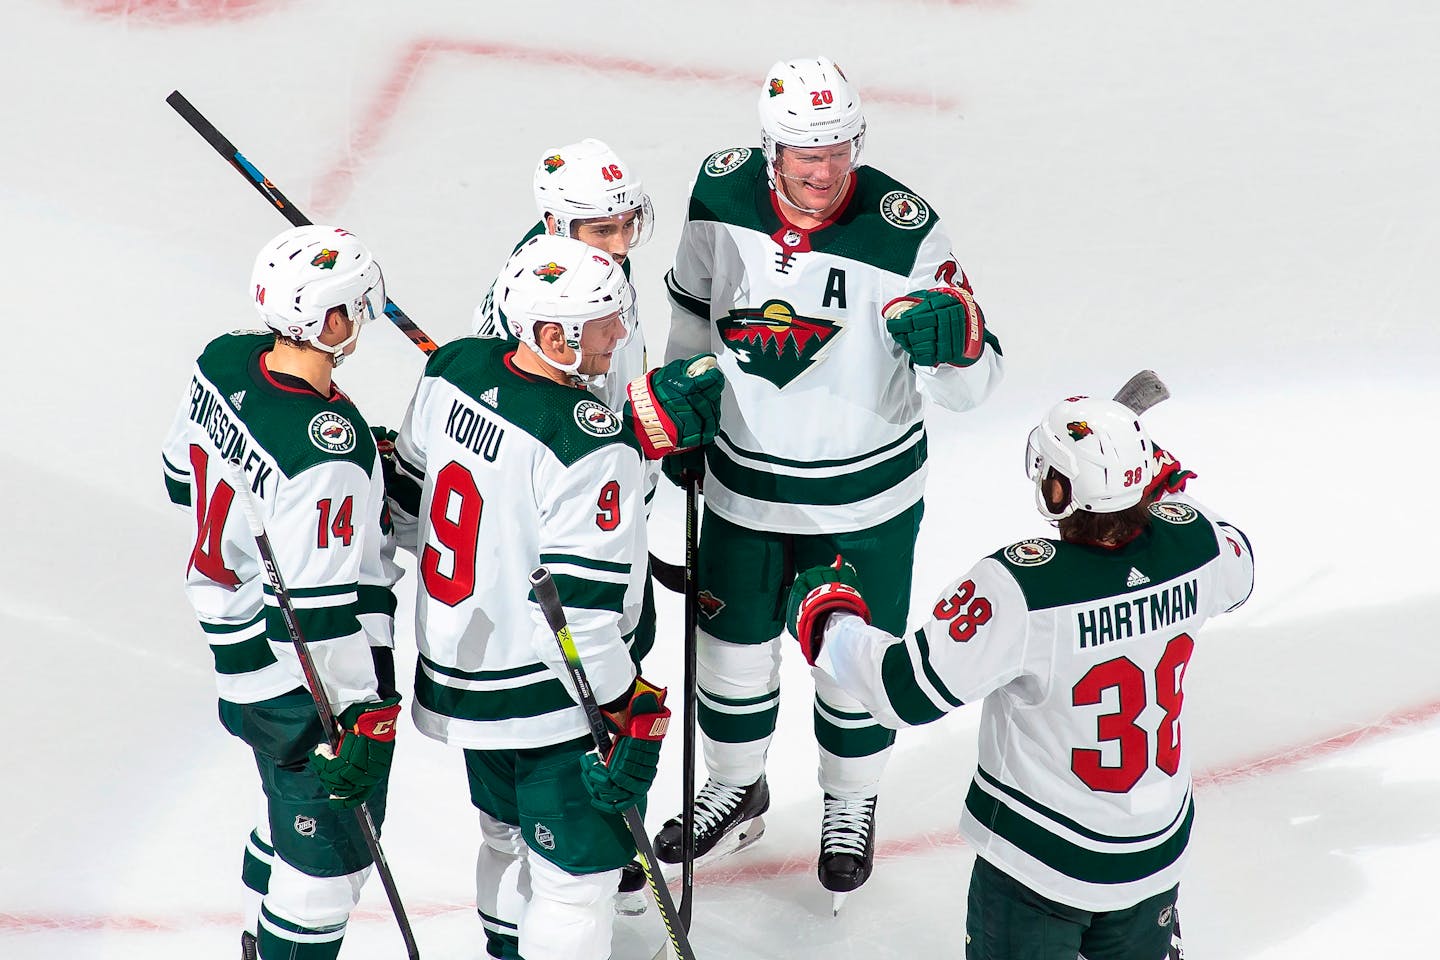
1080,808
506,462
586,192
265,401
831,296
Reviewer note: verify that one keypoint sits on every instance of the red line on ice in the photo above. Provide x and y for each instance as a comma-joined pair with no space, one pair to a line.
754,870
333,187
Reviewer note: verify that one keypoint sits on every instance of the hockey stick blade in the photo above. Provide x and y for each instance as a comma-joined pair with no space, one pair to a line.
1142,391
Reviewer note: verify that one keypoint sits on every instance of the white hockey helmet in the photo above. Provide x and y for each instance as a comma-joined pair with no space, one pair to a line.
587,181
809,103
553,279
305,272
1099,451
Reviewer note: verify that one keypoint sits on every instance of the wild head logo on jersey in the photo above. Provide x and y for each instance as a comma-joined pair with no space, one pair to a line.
554,163
325,259
1079,429
773,342
777,87
710,604
550,272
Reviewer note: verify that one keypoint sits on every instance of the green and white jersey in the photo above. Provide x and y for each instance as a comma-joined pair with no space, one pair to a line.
1083,790
311,465
821,424
507,471
627,362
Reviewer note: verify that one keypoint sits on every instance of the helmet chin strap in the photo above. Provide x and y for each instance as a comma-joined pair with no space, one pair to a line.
790,201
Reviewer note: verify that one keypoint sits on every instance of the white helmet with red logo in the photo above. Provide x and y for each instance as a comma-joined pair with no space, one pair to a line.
1097,449
305,272
587,181
808,102
553,279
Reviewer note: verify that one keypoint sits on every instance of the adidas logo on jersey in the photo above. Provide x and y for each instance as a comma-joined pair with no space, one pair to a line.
1136,578
491,396
237,398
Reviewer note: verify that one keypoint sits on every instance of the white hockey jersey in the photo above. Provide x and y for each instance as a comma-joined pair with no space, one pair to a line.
1083,789
821,425
311,464
506,472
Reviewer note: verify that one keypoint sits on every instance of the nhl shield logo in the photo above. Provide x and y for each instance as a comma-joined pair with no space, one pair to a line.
544,836
774,342
726,161
305,826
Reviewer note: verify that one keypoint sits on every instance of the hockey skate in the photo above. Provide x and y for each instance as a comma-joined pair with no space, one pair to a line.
249,948
631,899
847,846
727,820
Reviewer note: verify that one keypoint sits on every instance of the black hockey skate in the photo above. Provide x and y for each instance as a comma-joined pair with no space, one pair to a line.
847,846
631,900
727,819
249,948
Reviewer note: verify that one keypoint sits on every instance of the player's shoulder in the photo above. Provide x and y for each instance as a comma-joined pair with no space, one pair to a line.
1053,573
230,354
725,186
886,221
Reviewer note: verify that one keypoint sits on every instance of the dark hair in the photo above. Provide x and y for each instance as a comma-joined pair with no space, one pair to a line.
1106,529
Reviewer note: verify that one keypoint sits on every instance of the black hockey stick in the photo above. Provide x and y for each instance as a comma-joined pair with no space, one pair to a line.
279,201
668,575
317,693
549,600
687,773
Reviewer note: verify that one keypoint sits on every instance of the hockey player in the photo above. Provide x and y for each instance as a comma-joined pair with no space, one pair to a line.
505,462
1080,808
262,409
811,278
585,191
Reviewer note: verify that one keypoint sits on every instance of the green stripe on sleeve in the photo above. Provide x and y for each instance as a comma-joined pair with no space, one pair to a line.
579,561
588,594
907,699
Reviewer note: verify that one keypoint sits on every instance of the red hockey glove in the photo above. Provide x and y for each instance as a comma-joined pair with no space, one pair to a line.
817,593
940,325
1169,477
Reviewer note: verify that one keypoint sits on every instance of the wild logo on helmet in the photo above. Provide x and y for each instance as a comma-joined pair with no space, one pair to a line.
550,272
553,163
1078,429
773,342
777,87
325,260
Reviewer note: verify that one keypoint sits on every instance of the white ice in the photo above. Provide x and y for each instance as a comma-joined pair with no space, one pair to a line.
1240,195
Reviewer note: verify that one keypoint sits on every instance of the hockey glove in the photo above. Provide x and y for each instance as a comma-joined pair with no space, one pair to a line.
817,593
623,778
676,407
1169,477
940,325
683,466
367,745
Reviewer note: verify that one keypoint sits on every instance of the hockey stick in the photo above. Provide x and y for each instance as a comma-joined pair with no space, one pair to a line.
668,575
279,201
317,693
687,773
1142,391
549,600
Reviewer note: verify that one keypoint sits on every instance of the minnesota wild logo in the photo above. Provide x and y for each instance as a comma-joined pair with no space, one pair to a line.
550,272
710,604
777,87
325,259
773,342
553,163
1079,429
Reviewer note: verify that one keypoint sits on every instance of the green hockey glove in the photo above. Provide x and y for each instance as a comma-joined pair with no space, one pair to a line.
638,726
367,745
679,467
817,593
676,407
941,325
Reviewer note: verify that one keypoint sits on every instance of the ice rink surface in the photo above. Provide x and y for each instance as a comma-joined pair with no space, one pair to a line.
1242,196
